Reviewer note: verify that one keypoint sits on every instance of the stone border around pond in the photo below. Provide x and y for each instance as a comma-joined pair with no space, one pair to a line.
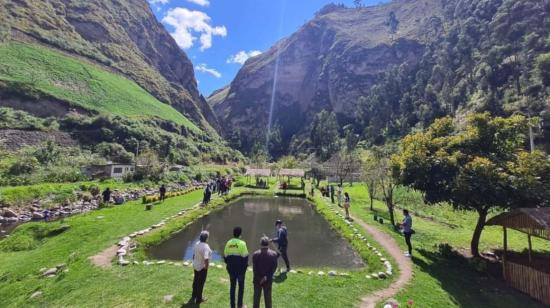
128,243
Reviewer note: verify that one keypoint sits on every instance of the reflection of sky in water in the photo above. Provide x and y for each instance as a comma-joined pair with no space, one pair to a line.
312,242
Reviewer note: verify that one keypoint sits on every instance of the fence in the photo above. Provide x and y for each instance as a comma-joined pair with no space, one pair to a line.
528,280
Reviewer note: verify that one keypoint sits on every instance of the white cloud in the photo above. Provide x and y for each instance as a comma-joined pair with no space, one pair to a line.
242,56
159,1
203,68
198,2
190,24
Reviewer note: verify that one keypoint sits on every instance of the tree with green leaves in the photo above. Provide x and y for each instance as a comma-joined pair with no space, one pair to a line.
343,165
259,155
543,68
287,162
479,165
377,171
324,135
369,164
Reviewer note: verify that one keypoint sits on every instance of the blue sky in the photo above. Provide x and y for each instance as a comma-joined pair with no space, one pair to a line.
218,35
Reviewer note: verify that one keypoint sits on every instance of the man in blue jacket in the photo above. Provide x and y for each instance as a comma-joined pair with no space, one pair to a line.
282,242
236,258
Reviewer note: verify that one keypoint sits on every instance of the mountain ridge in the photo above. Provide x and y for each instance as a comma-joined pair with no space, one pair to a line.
119,35
308,65
391,68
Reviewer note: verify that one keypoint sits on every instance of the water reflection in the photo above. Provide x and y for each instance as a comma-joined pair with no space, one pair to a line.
312,242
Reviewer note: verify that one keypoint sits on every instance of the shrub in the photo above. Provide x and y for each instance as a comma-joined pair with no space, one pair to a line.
198,176
25,165
86,197
94,190
18,243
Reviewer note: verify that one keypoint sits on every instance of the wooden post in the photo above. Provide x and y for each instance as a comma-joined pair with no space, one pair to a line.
530,249
505,239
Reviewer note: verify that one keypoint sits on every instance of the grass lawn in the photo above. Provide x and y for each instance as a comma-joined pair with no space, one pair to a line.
447,281
145,286
20,195
81,83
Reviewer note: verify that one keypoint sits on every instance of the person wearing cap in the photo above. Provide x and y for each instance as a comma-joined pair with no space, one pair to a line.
201,257
236,259
264,264
282,242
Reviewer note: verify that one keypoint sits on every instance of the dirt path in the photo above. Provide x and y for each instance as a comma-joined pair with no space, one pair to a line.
404,263
104,258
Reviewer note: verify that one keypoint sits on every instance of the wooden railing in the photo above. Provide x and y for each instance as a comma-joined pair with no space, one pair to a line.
528,280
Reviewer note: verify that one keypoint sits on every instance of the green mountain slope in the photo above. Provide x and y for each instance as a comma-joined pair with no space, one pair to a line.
388,69
81,84
119,35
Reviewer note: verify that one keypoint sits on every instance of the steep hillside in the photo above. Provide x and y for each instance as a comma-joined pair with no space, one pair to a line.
387,69
79,84
101,79
123,36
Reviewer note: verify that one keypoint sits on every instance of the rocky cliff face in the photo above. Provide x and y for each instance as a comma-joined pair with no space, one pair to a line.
329,63
121,35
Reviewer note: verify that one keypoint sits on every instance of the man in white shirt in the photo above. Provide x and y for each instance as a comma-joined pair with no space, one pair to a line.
201,256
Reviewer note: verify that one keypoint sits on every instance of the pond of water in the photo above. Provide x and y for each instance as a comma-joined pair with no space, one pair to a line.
312,241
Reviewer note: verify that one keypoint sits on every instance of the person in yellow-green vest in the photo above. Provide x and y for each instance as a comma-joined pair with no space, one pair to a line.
236,258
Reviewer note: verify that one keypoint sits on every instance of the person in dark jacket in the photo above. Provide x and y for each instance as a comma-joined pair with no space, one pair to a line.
107,195
206,195
236,258
162,193
282,242
264,264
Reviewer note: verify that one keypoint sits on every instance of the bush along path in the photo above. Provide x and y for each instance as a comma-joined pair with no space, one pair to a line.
392,248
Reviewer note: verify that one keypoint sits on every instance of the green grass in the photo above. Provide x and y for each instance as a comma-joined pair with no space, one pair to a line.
81,83
447,280
85,285
22,195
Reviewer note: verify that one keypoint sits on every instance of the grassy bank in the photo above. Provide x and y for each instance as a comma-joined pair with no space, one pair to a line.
56,192
442,278
85,285
81,84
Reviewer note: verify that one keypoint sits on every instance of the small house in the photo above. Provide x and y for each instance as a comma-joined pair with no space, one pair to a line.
109,170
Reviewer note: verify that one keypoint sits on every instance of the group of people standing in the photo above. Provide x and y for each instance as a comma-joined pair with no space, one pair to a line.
344,199
221,185
236,257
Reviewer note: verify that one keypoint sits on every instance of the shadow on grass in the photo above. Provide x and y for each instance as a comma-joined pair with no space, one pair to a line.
466,286
280,278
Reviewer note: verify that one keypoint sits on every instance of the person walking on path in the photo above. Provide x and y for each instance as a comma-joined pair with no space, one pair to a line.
264,264
347,201
201,257
408,231
339,195
282,242
162,193
107,195
332,194
236,259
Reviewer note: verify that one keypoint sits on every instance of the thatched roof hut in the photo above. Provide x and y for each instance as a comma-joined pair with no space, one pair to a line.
530,277
258,172
292,172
